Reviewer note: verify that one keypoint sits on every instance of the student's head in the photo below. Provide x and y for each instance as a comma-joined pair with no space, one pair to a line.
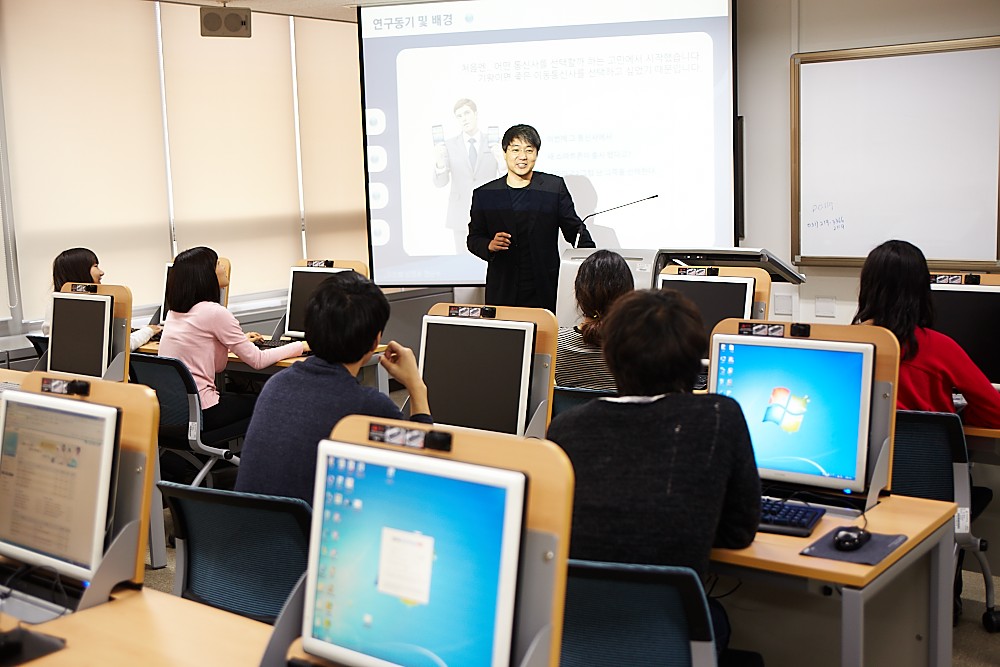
653,342
467,115
76,265
344,318
601,279
520,144
193,279
895,292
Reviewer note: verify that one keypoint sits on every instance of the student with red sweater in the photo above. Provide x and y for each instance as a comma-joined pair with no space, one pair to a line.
895,293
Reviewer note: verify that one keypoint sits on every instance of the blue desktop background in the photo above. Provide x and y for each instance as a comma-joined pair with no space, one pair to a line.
456,626
826,442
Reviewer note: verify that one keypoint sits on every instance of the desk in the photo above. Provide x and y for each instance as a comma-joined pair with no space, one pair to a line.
153,629
372,374
928,526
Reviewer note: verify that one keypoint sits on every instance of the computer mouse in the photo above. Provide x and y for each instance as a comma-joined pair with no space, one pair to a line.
850,538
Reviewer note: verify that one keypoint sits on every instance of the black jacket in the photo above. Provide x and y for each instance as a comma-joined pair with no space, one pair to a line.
549,210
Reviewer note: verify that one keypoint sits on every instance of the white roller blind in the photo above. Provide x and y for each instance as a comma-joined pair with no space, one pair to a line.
229,113
85,144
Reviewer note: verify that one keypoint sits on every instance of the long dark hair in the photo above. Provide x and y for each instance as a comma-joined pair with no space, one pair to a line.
601,279
73,266
193,279
895,292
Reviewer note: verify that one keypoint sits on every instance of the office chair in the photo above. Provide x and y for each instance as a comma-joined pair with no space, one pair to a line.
623,614
180,415
930,461
564,398
242,552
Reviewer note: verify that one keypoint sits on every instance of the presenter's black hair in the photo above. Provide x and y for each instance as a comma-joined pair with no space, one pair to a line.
344,317
653,342
601,279
895,292
193,279
73,266
525,133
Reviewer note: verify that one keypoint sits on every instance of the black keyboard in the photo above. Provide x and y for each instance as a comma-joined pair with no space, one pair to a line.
267,344
777,516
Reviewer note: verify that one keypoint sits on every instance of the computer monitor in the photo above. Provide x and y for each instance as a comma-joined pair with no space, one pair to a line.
971,315
413,559
57,460
807,403
478,371
80,335
301,285
717,297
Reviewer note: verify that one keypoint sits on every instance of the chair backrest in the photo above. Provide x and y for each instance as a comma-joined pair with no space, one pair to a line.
564,398
623,614
174,385
242,552
926,450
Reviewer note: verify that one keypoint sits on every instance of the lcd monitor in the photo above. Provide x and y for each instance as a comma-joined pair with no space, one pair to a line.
413,559
807,403
971,315
81,333
57,461
717,297
301,285
478,371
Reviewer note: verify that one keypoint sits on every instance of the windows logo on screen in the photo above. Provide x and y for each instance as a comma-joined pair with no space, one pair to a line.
786,410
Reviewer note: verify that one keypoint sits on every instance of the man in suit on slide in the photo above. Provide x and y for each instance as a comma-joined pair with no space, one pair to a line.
466,160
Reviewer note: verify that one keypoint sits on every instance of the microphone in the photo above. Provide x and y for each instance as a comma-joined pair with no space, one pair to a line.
607,210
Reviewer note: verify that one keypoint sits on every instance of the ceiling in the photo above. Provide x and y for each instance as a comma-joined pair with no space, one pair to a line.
335,10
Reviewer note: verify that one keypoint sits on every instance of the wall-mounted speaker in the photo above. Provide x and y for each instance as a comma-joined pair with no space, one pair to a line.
225,22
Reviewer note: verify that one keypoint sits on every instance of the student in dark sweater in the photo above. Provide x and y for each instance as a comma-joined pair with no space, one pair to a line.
299,406
662,475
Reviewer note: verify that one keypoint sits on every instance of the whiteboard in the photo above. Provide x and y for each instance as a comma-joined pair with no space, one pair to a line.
897,142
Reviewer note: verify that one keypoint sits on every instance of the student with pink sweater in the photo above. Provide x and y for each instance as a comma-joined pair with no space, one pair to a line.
201,332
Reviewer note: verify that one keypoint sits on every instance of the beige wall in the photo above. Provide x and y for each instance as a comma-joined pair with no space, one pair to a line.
769,32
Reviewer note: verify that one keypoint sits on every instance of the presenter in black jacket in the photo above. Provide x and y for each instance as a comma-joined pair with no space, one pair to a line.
514,222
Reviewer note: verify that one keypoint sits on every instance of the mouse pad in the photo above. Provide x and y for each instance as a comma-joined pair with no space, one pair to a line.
871,553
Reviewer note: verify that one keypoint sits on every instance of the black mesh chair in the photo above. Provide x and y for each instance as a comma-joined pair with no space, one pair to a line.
636,615
930,460
564,398
180,415
242,552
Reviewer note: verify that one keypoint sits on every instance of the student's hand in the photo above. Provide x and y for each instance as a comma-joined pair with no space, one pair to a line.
253,336
401,364
500,242
305,347
156,328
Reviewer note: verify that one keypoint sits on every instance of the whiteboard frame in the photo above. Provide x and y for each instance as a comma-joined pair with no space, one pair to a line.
799,59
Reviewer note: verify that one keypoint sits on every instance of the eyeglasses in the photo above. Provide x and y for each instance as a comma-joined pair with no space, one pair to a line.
527,151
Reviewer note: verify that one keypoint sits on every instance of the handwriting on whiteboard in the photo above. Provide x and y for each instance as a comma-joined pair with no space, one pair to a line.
824,216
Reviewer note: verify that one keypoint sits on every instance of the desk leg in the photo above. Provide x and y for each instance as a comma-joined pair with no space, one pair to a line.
157,531
941,584
852,621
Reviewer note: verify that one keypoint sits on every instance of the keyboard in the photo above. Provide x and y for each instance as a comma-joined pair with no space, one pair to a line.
777,516
267,344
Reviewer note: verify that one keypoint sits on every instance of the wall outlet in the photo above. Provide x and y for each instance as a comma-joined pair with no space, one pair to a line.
826,306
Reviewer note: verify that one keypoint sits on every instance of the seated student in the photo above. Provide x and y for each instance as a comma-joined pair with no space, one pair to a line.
80,265
895,293
300,405
662,475
603,277
201,332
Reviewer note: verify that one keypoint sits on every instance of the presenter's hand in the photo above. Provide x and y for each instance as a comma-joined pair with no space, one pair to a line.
500,242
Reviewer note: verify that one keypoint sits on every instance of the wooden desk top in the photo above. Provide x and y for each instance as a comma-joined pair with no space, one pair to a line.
154,348
153,629
914,517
